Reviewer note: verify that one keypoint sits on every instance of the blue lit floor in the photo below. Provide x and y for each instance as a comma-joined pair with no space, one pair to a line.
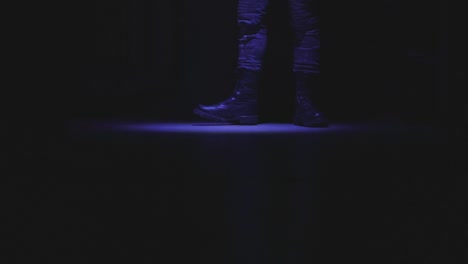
182,127
155,128
153,192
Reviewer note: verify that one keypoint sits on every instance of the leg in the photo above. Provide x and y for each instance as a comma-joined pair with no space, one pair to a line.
305,24
242,106
252,33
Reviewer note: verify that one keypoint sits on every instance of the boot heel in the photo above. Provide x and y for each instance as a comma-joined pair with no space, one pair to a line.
310,122
248,120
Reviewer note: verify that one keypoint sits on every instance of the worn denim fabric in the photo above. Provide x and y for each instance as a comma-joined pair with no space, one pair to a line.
253,34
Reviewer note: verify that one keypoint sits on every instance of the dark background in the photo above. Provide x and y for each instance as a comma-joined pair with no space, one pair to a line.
158,59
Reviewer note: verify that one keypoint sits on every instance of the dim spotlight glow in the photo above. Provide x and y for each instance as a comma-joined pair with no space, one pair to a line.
191,128
151,127
215,128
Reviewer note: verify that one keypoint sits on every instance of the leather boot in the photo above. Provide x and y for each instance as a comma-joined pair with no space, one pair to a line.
241,107
306,111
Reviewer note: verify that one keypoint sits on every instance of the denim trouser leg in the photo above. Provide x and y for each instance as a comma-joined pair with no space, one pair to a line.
304,21
252,33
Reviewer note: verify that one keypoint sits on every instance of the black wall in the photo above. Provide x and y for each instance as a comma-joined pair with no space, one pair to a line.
158,59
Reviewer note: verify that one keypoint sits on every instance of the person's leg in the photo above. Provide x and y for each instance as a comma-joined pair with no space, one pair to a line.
242,106
252,33
306,67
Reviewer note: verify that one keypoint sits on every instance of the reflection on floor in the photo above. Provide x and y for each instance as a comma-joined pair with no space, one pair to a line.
271,193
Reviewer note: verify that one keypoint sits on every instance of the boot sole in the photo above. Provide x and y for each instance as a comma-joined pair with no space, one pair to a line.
239,120
318,123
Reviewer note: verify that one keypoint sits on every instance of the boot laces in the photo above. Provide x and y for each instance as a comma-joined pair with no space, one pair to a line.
233,97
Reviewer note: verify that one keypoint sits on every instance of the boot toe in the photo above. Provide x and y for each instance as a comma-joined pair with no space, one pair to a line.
202,107
207,108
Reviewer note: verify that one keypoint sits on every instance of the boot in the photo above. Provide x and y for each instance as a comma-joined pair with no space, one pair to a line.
307,113
241,107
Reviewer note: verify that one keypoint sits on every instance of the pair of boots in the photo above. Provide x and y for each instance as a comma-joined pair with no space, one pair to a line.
242,106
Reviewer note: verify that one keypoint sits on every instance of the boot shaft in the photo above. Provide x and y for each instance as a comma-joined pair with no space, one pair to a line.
246,84
307,87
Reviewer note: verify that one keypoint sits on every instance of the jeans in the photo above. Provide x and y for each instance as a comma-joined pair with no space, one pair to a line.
253,34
